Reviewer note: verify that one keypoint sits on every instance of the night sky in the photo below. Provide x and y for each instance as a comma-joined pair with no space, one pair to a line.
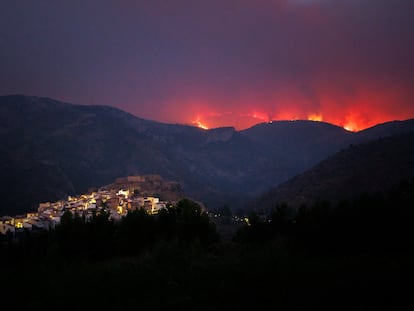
219,62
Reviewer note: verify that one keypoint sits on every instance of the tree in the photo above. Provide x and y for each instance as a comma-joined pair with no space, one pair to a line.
193,223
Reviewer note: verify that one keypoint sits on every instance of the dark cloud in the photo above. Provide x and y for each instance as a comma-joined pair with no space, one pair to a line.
223,61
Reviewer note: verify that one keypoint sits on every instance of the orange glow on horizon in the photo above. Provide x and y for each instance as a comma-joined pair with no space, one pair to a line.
257,115
315,117
360,105
355,112
352,123
351,126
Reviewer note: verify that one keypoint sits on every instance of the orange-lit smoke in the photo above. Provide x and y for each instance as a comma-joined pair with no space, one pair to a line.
315,117
354,117
369,104
351,122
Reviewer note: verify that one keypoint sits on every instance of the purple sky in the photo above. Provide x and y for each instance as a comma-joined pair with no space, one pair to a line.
219,62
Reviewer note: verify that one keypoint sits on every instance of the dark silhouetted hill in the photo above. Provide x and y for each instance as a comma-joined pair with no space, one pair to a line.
372,167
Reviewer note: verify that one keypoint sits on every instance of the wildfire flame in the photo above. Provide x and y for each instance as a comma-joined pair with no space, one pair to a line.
351,127
315,117
352,122
199,124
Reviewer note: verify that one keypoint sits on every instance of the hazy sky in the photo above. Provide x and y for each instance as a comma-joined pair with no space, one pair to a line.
221,62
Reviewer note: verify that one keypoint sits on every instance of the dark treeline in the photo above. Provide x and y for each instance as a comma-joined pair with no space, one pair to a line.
369,224
100,238
355,255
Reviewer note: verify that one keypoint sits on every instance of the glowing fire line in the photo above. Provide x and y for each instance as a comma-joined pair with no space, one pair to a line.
210,120
199,124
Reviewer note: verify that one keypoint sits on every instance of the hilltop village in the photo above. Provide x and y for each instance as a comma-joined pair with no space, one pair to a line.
149,192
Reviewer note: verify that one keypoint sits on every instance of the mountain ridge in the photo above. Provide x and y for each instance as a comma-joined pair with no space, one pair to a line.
50,149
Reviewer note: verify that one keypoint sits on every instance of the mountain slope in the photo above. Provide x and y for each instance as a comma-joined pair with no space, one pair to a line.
84,146
295,146
49,149
375,166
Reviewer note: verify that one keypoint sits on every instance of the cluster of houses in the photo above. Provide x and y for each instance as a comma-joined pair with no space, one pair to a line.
116,202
